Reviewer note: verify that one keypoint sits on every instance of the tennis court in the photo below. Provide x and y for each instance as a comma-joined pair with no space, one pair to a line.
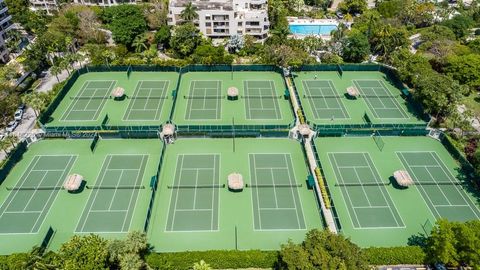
195,194
325,101
29,201
369,203
261,100
147,101
204,100
196,210
372,208
381,102
442,192
112,202
89,102
275,198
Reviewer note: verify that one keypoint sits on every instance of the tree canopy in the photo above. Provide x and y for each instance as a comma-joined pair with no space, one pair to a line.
126,22
322,250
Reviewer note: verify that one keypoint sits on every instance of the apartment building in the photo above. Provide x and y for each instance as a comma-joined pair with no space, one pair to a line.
5,25
48,5
105,3
224,18
52,5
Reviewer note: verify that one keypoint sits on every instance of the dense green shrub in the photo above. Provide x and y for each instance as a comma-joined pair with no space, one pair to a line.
217,259
394,255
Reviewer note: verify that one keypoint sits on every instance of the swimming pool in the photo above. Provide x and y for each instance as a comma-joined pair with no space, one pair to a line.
311,29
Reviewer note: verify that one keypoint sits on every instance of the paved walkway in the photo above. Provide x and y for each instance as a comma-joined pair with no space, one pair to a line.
25,128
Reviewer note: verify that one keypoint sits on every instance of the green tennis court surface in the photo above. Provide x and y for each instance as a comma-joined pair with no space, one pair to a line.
148,100
195,195
323,95
371,208
261,100
324,100
111,209
25,210
32,200
443,195
89,102
276,202
194,210
379,99
202,99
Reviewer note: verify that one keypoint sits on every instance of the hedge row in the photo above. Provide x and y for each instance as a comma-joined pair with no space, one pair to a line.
218,259
394,255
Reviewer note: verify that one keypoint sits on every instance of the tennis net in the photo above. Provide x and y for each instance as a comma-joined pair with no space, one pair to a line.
261,97
196,186
35,188
426,183
88,98
273,185
360,96
204,97
149,97
116,187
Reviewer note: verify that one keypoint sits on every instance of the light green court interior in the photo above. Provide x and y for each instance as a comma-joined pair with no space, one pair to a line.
386,215
340,110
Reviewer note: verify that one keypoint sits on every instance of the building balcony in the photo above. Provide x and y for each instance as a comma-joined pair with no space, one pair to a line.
6,19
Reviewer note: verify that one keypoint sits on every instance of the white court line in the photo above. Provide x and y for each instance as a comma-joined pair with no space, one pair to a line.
74,157
138,181
22,212
102,173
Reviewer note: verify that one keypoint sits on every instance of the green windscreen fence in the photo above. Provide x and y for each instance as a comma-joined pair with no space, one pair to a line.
13,158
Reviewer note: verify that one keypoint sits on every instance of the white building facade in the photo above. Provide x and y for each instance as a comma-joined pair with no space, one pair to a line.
52,5
5,26
48,5
224,18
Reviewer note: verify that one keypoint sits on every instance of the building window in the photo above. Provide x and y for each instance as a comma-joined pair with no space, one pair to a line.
207,18
240,23
208,24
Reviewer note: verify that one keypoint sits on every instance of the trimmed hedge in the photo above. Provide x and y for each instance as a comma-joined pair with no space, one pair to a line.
394,255
217,259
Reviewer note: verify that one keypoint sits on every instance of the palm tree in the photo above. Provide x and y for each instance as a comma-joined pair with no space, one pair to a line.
202,265
65,64
189,13
4,145
35,260
35,101
11,139
108,56
140,43
55,70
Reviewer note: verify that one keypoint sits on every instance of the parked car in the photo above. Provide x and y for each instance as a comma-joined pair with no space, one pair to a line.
21,107
12,125
18,115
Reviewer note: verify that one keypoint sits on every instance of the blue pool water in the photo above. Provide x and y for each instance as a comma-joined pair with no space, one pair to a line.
312,29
